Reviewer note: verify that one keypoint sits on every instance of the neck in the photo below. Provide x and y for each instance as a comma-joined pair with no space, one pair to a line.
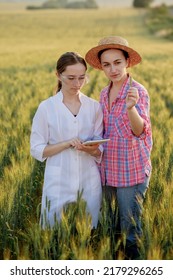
72,102
69,97
118,84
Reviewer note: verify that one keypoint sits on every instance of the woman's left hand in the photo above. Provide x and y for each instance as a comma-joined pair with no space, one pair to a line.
132,97
90,149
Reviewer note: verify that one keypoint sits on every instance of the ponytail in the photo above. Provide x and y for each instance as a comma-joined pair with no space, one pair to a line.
58,87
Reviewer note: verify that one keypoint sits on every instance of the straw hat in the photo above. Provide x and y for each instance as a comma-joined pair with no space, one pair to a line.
112,42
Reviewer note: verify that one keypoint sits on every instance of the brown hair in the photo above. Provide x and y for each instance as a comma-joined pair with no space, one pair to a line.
66,59
126,55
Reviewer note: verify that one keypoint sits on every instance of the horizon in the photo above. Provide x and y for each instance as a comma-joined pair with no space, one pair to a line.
101,3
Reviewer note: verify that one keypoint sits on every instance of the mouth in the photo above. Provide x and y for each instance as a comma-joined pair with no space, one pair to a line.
76,88
114,76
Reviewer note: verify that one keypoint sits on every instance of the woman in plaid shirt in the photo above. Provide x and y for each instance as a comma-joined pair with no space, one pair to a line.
126,165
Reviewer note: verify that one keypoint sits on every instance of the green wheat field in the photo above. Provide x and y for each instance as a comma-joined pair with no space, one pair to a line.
30,44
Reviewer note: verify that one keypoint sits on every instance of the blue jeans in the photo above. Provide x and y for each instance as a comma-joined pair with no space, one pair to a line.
130,204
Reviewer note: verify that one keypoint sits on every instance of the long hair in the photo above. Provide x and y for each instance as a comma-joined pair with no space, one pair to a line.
66,59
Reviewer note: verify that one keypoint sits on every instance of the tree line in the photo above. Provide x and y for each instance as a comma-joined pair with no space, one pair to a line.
82,4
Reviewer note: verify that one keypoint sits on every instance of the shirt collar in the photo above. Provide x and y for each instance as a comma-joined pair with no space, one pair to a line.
60,96
123,91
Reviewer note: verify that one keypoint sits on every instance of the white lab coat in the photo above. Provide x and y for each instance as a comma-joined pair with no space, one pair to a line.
69,171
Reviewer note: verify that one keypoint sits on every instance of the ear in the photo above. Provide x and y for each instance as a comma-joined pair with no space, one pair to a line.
58,75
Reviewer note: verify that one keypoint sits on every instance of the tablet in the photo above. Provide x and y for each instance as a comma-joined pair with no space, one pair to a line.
96,141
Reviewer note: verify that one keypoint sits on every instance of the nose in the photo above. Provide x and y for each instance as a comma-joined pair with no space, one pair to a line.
77,81
113,68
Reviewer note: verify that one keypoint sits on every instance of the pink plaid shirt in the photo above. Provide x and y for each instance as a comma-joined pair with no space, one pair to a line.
126,158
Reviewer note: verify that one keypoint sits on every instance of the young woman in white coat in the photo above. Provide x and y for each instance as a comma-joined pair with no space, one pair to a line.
60,125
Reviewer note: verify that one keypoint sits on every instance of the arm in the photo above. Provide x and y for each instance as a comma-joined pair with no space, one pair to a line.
136,122
53,149
39,139
39,133
137,110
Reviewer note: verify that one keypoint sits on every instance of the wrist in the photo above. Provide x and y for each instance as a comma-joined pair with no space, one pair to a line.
67,145
129,109
96,153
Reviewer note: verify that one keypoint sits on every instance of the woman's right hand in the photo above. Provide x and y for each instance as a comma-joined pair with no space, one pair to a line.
75,143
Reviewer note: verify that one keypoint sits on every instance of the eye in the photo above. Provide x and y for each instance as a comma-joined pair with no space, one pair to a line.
71,78
117,62
105,65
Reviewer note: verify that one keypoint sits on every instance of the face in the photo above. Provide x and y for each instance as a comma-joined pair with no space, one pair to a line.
73,78
114,64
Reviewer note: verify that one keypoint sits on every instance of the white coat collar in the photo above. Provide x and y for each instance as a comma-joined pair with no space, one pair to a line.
60,96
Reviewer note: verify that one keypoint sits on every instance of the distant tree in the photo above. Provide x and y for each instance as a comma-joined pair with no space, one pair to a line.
91,4
142,3
82,4
54,4
63,4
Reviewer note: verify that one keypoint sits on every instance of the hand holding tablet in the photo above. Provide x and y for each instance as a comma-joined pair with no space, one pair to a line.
96,141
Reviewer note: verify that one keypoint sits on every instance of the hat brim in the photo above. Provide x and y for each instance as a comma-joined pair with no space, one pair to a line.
92,59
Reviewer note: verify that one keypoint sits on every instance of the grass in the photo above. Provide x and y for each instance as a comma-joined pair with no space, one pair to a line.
31,42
